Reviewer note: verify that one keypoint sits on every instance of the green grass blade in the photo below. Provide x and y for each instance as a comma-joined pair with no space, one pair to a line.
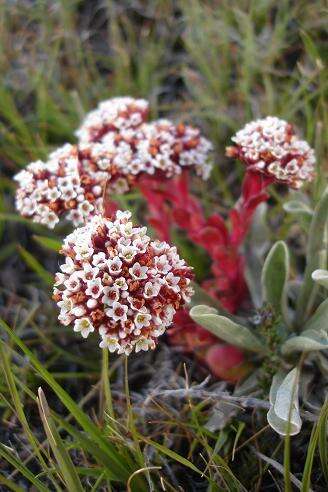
10,484
18,404
18,465
48,242
63,459
120,469
36,266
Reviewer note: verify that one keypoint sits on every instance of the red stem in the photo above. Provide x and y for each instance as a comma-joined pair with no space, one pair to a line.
171,201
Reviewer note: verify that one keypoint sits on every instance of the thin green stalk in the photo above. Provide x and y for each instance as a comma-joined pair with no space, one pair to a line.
130,419
106,388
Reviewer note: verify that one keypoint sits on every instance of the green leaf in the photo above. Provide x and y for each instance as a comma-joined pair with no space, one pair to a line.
301,210
118,467
323,443
62,457
7,455
321,277
226,329
48,242
316,258
256,245
36,266
19,407
318,432
283,415
10,484
275,275
319,320
308,341
313,337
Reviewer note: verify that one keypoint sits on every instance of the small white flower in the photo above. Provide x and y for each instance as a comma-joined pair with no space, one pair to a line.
172,282
65,319
91,303
138,272
83,252
117,312
114,266
78,311
128,253
162,264
144,344
85,208
111,295
110,343
88,273
94,288
53,194
127,229
142,319
159,247
151,289
84,326
73,283
99,260
59,278
76,217
50,219
168,314
68,194
121,283
65,305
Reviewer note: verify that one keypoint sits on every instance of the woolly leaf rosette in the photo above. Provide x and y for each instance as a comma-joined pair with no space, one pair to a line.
112,116
271,147
118,282
59,188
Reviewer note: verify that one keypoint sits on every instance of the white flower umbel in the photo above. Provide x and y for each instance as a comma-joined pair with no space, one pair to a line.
129,299
48,191
270,146
112,115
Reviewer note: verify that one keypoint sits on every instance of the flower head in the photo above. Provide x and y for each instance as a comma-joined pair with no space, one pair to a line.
127,299
270,146
160,149
112,115
58,188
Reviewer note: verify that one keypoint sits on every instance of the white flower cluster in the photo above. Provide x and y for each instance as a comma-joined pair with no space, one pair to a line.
113,115
168,148
270,146
48,190
116,281
116,148
160,148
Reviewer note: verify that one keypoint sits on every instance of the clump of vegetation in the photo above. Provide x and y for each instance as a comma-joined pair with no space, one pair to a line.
220,376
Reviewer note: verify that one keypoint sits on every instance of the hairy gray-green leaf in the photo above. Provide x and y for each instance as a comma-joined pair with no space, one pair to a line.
297,207
274,277
319,320
316,258
226,329
321,277
301,210
314,336
308,341
284,416
256,245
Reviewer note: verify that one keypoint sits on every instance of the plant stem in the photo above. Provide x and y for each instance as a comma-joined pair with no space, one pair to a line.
105,384
130,420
